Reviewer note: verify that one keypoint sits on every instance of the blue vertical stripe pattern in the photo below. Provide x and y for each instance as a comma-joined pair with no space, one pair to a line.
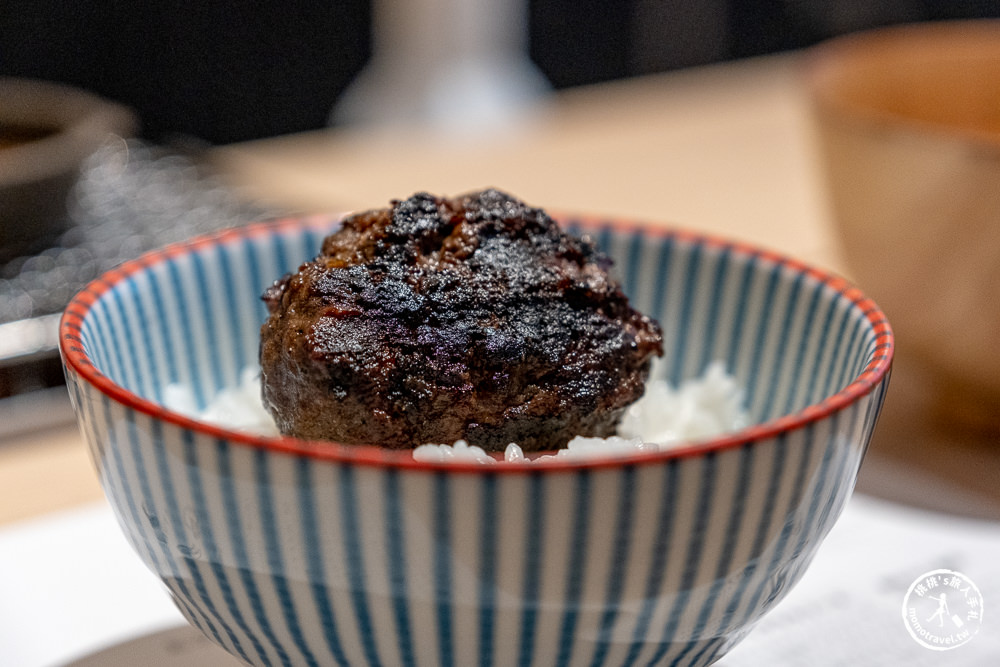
680,350
204,521
738,344
208,328
128,354
488,562
157,311
175,529
783,342
534,530
713,306
692,560
619,561
110,355
314,553
233,307
275,562
156,380
233,504
287,556
396,558
574,572
187,341
801,348
350,520
443,601
725,561
663,528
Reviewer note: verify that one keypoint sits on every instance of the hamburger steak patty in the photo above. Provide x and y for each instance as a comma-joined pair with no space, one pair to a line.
439,319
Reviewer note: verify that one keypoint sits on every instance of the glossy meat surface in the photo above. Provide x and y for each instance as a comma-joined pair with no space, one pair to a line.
438,319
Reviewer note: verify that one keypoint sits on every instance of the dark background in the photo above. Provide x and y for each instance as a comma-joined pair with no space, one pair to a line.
228,71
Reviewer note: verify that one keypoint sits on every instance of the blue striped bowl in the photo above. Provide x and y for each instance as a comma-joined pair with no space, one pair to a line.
287,552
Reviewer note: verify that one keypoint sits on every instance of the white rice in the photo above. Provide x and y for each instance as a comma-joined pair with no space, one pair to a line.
664,418
238,408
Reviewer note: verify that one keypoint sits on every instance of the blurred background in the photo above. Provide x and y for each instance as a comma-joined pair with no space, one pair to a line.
228,71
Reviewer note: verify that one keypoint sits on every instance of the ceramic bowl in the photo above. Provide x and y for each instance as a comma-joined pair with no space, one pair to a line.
291,552
46,131
908,122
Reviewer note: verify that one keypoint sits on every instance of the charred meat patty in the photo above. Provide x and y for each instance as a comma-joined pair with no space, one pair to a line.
439,319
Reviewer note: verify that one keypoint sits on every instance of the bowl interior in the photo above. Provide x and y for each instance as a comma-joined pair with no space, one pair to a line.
792,336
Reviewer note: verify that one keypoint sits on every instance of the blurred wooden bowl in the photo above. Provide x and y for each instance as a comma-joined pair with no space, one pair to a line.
908,123
46,132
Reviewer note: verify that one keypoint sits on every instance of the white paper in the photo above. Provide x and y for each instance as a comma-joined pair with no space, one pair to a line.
848,609
69,585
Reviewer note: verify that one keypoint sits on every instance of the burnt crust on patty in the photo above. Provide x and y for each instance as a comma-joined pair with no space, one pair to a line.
438,319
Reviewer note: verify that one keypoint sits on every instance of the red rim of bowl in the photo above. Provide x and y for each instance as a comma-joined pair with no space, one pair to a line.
76,359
